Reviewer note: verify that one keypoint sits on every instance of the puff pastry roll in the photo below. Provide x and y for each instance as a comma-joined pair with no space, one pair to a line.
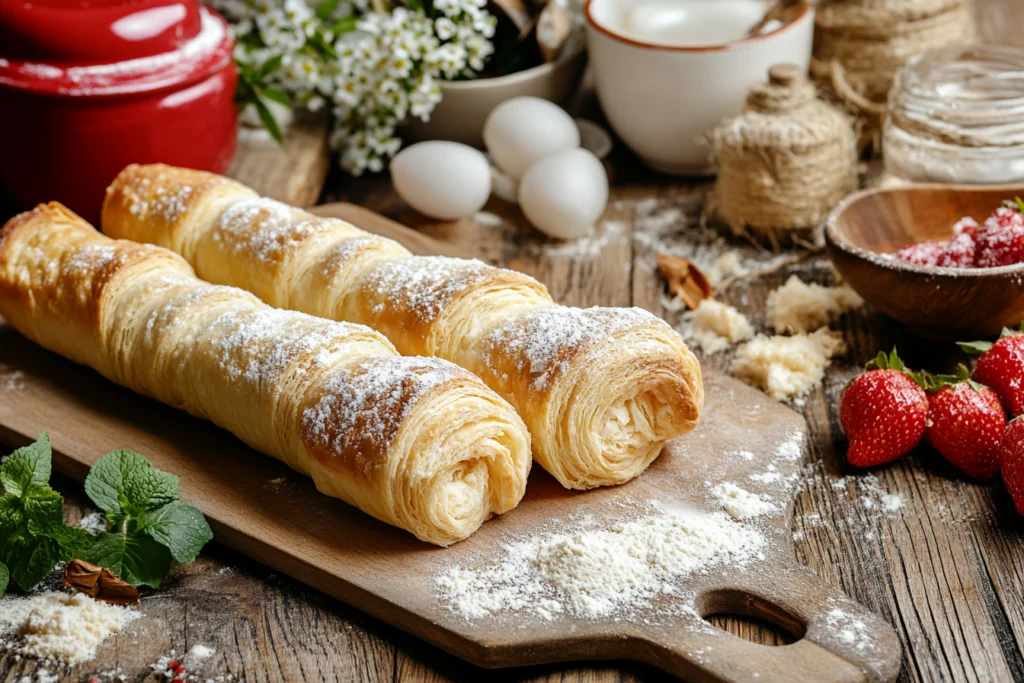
601,390
419,443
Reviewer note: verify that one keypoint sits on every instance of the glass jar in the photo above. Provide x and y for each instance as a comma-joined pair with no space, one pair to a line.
956,115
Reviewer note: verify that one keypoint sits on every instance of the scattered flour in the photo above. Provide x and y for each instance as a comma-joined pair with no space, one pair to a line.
62,626
798,307
725,266
715,326
197,655
740,503
15,381
593,572
849,629
94,523
771,475
787,367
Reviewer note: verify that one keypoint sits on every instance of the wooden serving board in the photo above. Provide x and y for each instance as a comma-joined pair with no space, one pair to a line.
259,507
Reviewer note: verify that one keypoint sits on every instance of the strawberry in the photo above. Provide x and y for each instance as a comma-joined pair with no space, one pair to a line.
966,226
922,253
1000,241
966,422
1011,461
884,412
958,252
1001,367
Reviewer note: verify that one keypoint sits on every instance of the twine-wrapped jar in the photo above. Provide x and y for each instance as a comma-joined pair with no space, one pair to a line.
859,45
784,163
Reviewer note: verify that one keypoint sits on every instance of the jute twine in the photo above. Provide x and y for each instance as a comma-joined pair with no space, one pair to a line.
859,45
784,162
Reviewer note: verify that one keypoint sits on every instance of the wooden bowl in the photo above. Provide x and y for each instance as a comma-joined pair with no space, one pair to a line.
939,303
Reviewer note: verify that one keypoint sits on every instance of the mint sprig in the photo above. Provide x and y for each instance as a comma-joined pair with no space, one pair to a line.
151,528
32,525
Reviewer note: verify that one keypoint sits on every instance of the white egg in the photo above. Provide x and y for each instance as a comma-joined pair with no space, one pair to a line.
524,130
564,194
440,179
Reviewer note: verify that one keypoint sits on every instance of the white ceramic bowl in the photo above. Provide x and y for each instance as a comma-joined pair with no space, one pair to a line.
660,98
465,105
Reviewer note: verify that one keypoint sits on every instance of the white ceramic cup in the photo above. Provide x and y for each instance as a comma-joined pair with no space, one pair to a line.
662,98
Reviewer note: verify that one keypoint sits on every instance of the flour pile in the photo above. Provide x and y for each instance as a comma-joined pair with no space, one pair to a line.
59,626
593,572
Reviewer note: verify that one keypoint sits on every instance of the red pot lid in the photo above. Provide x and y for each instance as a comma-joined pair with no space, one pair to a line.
108,47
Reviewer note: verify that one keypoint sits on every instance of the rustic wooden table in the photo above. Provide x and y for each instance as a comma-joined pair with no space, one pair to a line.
946,569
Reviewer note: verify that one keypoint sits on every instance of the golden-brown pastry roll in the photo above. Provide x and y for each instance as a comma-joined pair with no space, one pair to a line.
419,443
600,389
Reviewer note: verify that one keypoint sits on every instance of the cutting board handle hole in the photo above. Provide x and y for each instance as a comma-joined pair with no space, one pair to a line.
755,615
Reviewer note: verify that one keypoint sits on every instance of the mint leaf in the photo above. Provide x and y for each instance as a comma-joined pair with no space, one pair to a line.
180,527
30,560
12,516
125,483
5,577
74,542
27,467
139,560
44,511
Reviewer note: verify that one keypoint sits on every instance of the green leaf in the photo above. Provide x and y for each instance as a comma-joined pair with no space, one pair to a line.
1020,204
12,517
44,511
269,67
321,47
5,577
894,361
27,467
180,527
346,25
139,560
268,121
975,348
74,542
30,560
277,96
326,9
125,483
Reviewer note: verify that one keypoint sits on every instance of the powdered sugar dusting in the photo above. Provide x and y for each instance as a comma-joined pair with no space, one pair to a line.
592,571
425,285
543,340
365,404
263,228
257,345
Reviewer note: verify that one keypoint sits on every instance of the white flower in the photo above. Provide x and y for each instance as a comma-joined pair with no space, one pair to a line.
444,27
385,72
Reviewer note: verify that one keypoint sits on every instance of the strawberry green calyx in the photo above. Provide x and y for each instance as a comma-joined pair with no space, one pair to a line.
892,361
979,348
1019,204
962,375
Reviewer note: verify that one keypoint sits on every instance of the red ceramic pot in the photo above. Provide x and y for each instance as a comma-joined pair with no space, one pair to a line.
90,86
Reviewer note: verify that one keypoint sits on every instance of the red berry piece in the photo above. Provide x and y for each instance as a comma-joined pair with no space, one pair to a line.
966,226
1001,367
1011,458
958,252
1000,240
966,424
884,412
921,254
